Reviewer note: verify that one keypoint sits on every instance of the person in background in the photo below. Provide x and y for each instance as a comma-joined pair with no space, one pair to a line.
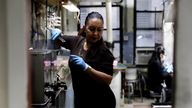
91,64
157,72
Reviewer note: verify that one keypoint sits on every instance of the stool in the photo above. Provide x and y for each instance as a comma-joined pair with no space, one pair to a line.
129,90
132,81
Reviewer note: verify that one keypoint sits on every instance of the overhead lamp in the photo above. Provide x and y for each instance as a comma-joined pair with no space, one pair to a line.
140,37
70,6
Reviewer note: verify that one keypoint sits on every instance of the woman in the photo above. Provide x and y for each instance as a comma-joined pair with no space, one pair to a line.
91,64
155,70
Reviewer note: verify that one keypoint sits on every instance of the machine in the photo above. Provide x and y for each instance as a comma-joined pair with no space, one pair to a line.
48,91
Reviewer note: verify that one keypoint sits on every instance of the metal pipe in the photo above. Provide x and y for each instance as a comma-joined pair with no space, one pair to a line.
43,104
109,21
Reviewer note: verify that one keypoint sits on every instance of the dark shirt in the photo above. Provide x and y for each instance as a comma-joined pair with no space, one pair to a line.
155,75
88,92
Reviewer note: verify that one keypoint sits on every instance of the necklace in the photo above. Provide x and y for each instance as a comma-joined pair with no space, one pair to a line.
85,47
83,50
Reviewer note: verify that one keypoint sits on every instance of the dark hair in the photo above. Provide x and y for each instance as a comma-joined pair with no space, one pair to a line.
160,50
156,53
93,15
89,16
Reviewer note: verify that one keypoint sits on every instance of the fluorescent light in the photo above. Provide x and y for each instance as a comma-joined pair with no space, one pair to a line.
140,36
71,7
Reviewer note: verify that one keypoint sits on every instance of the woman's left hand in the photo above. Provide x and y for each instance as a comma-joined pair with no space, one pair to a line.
77,63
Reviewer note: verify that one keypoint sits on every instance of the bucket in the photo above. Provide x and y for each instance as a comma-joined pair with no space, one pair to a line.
131,73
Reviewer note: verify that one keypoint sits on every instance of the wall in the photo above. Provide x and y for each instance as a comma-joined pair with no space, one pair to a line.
17,34
168,41
169,31
183,54
13,53
3,57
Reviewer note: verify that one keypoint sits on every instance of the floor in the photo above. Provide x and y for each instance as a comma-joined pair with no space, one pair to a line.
137,103
146,103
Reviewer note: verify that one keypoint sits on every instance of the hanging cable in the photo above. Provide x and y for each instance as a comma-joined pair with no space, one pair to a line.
46,25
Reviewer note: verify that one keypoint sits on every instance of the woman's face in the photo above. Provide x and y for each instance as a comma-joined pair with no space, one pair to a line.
94,30
162,57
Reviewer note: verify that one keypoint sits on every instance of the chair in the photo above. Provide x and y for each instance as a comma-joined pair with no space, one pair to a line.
132,81
160,97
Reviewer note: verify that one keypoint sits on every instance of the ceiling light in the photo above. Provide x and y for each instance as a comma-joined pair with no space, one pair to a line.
70,6
140,36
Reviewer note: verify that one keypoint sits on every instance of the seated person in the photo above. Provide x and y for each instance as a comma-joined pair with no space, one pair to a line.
158,72
155,68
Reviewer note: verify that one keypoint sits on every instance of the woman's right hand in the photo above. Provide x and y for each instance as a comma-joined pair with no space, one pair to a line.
55,33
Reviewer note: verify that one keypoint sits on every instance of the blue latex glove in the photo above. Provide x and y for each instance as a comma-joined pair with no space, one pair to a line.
77,63
55,32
